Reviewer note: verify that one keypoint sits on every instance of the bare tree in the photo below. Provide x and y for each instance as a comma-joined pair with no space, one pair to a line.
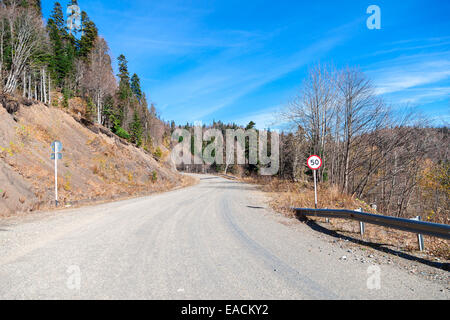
26,36
314,107
362,112
99,78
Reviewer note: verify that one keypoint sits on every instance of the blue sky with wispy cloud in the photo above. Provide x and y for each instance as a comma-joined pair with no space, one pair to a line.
238,61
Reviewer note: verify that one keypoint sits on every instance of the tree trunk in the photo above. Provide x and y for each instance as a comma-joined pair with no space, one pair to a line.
29,86
43,85
49,90
24,84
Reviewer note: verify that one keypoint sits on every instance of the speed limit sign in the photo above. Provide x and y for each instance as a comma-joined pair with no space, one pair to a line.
314,162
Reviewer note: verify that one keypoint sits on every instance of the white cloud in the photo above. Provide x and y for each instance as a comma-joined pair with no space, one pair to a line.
224,79
413,78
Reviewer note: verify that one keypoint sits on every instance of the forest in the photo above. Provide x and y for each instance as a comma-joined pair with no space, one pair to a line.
391,157
47,62
394,159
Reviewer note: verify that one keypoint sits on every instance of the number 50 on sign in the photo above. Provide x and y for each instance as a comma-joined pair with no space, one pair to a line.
314,163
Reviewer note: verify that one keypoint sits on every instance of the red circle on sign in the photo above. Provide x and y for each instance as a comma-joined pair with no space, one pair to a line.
315,167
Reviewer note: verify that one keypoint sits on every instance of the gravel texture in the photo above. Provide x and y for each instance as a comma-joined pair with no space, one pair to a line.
214,240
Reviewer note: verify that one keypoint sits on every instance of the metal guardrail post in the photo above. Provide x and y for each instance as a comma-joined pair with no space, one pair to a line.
408,225
362,226
421,242
419,236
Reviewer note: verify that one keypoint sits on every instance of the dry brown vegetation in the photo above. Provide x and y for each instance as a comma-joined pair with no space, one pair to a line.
95,166
391,159
285,194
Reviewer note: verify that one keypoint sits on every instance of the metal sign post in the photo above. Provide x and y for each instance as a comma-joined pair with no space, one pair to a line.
56,154
315,189
314,163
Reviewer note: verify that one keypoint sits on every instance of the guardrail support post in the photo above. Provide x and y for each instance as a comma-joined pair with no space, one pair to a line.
362,226
420,237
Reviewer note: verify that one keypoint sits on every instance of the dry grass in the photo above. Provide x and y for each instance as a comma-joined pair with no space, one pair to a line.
284,195
287,194
94,167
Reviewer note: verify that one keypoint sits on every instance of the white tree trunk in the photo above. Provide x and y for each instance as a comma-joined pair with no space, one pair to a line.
24,84
29,86
49,90
44,86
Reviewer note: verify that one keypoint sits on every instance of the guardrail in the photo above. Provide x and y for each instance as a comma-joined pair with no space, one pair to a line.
414,226
227,176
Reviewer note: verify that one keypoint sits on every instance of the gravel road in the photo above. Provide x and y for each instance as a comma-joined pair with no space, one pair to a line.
214,240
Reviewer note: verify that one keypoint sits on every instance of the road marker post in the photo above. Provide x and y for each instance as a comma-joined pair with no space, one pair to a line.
314,163
56,155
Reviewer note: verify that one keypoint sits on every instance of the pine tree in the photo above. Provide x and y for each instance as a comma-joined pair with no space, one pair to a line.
136,87
136,130
54,26
89,35
251,125
63,44
124,76
57,19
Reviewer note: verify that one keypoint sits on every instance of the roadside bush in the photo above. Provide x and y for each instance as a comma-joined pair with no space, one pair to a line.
158,153
121,132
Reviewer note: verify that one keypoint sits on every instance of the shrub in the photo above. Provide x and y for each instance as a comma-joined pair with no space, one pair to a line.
66,97
158,153
154,176
67,178
121,132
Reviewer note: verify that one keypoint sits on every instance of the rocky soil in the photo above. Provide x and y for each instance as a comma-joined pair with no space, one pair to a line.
96,165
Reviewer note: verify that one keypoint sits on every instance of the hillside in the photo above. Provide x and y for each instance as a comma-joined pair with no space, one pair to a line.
96,164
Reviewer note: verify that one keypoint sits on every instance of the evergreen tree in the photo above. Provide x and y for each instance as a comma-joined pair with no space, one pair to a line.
136,87
63,45
89,34
251,125
56,19
124,76
56,31
136,130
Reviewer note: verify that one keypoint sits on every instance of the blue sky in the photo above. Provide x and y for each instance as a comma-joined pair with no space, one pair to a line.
238,61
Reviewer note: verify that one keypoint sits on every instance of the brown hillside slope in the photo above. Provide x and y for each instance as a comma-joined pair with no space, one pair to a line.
95,166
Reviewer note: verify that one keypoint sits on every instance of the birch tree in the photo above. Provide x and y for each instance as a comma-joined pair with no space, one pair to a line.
99,78
313,108
26,35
